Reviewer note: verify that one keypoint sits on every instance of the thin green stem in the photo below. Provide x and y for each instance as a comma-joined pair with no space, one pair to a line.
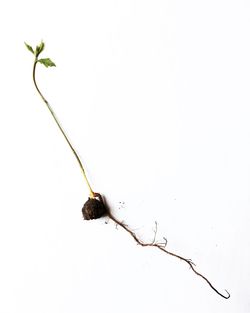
62,131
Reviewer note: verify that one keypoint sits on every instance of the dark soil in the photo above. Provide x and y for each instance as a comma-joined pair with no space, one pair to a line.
93,209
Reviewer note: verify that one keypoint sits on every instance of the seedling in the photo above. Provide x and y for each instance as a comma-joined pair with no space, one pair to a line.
95,207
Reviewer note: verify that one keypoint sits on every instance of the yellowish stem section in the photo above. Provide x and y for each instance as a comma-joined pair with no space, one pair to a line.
91,192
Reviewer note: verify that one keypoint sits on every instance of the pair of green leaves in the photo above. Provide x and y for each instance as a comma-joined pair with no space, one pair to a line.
47,61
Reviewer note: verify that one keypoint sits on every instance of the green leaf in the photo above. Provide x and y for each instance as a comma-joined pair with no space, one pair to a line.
46,62
39,48
29,47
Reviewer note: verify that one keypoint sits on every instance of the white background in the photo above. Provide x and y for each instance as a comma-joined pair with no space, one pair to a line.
155,97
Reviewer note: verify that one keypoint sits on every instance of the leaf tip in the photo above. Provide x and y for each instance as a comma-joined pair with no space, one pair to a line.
39,48
29,47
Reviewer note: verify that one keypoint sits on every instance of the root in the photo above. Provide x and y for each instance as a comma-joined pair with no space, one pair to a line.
161,246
